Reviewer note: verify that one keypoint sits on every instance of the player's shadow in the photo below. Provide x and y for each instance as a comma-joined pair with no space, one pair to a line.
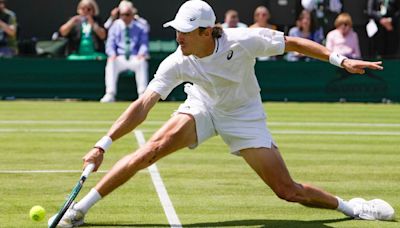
238,223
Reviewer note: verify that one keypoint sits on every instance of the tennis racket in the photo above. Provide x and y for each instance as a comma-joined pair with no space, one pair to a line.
85,174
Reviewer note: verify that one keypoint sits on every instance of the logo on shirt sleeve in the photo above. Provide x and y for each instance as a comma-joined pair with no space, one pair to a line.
230,54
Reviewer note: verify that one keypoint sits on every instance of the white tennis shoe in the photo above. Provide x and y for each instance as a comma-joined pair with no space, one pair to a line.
71,218
375,209
108,98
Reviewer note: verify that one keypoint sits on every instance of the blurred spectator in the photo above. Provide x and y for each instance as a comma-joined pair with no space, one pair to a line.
232,20
305,28
114,15
386,14
261,18
127,49
343,39
323,12
85,32
8,31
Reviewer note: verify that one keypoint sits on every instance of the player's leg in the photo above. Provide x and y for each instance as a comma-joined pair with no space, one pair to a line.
177,133
269,165
247,133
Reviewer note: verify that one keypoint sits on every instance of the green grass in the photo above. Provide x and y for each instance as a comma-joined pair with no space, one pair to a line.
208,186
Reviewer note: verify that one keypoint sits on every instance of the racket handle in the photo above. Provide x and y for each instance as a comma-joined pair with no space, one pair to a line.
88,169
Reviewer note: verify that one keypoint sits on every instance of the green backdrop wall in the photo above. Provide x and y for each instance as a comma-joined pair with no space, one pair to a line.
279,80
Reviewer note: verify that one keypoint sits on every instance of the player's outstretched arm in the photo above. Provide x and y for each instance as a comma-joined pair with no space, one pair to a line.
317,51
134,115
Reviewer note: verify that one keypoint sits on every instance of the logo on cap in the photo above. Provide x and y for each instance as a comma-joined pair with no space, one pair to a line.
192,19
230,54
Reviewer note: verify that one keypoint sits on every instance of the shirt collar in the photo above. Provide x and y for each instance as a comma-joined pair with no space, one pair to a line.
216,48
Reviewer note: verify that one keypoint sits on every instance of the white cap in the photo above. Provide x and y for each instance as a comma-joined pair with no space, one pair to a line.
192,15
126,6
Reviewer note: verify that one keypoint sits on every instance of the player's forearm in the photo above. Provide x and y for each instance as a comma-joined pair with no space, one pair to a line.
306,47
133,116
129,120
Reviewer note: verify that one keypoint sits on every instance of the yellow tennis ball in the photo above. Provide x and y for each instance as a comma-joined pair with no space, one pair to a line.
37,213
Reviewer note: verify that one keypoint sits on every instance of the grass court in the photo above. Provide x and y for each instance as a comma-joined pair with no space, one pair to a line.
348,149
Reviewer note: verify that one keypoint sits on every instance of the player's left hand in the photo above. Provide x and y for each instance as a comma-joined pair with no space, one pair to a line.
358,66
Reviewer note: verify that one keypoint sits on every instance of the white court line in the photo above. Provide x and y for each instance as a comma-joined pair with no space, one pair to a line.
160,187
48,171
43,171
58,122
295,132
158,122
282,132
333,124
53,130
58,130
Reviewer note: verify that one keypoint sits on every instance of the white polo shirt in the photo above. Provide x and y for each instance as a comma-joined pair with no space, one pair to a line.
224,81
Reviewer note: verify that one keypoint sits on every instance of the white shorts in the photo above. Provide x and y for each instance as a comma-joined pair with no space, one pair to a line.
240,130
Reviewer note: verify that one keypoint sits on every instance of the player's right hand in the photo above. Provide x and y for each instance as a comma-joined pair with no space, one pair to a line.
95,156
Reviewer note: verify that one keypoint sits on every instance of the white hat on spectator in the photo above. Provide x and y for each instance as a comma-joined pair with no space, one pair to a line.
192,15
125,6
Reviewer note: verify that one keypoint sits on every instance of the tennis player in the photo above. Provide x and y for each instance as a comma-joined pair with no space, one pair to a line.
222,99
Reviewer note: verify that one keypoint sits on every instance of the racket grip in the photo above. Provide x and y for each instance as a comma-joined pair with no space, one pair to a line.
88,169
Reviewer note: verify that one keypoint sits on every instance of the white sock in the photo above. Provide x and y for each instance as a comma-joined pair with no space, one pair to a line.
88,201
344,207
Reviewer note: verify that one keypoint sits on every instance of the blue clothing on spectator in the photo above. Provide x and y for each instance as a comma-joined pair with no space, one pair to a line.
138,39
317,35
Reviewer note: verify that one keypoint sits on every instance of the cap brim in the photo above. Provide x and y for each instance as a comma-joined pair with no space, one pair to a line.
180,26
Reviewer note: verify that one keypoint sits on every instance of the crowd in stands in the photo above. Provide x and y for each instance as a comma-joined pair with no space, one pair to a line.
8,31
124,37
85,32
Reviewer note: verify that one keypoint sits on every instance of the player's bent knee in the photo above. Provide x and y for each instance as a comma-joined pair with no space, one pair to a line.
142,158
288,193
147,158
151,152
157,147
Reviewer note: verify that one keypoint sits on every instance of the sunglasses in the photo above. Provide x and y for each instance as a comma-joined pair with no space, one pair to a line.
126,14
87,9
